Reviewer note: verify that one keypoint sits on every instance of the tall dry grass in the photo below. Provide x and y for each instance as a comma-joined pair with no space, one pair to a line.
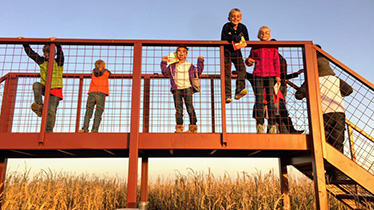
195,190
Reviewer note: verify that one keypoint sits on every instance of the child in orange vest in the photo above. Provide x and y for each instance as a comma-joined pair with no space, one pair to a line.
99,89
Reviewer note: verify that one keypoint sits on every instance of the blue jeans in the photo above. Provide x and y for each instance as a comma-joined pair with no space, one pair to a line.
186,95
98,99
39,91
268,84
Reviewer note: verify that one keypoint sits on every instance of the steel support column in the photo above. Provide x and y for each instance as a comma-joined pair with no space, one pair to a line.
134,129
144,183
223,96
3,164
316,125
47,92
8,104
285,190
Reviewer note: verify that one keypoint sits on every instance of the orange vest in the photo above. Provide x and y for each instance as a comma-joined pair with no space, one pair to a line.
100,84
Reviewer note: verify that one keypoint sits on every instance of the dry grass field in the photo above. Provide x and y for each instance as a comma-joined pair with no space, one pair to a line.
50,190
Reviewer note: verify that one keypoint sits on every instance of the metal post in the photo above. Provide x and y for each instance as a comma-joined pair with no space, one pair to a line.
79,105
134,129
223,97
285,190
146,99
316,126
144,185
8,104
47,92
3,164
212,104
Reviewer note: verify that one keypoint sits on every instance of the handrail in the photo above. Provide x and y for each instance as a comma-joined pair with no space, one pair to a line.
346,68
359,130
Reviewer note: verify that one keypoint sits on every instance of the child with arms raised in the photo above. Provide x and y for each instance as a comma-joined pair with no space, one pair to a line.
181,75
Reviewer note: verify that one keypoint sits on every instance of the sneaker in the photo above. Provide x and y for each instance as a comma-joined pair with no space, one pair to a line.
240,94
37,109
260,128
272,129
228,99
82,131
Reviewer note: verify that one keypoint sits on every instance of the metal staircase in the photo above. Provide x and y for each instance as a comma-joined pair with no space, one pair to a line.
345,179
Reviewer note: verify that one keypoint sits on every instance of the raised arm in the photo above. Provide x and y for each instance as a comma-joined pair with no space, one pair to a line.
33,55
60,56
164,68
200,65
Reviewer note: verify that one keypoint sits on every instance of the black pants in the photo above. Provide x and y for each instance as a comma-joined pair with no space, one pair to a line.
334,129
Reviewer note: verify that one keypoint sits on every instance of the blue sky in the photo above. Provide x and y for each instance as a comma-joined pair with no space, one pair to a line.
344,28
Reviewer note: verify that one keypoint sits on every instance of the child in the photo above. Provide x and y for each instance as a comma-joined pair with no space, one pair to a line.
266,72
233,31
332,91
56,83
99,89
181,74
282,117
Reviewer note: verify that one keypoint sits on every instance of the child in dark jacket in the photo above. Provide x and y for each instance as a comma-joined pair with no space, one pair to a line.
181,75
234,32
332,91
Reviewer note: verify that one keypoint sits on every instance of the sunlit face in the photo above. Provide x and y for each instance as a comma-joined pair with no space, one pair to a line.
235,17
264,34
182,53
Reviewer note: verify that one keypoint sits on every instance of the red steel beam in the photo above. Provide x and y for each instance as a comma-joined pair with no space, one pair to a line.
3,165
134,129
47,92
223,96
79,105
8,103
316,126
144,182
155,141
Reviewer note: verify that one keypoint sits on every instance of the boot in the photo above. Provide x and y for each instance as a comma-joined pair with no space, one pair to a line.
260,128
192,129
179,128
272,129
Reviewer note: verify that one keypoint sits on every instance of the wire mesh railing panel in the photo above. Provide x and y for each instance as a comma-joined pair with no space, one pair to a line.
78,60
81,58
359,111
207,103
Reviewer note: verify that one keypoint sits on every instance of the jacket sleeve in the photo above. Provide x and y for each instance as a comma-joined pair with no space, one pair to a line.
200,66
345,89
301,92
245,33
60,56
277,63
33,55
225,34
165,69
292,75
